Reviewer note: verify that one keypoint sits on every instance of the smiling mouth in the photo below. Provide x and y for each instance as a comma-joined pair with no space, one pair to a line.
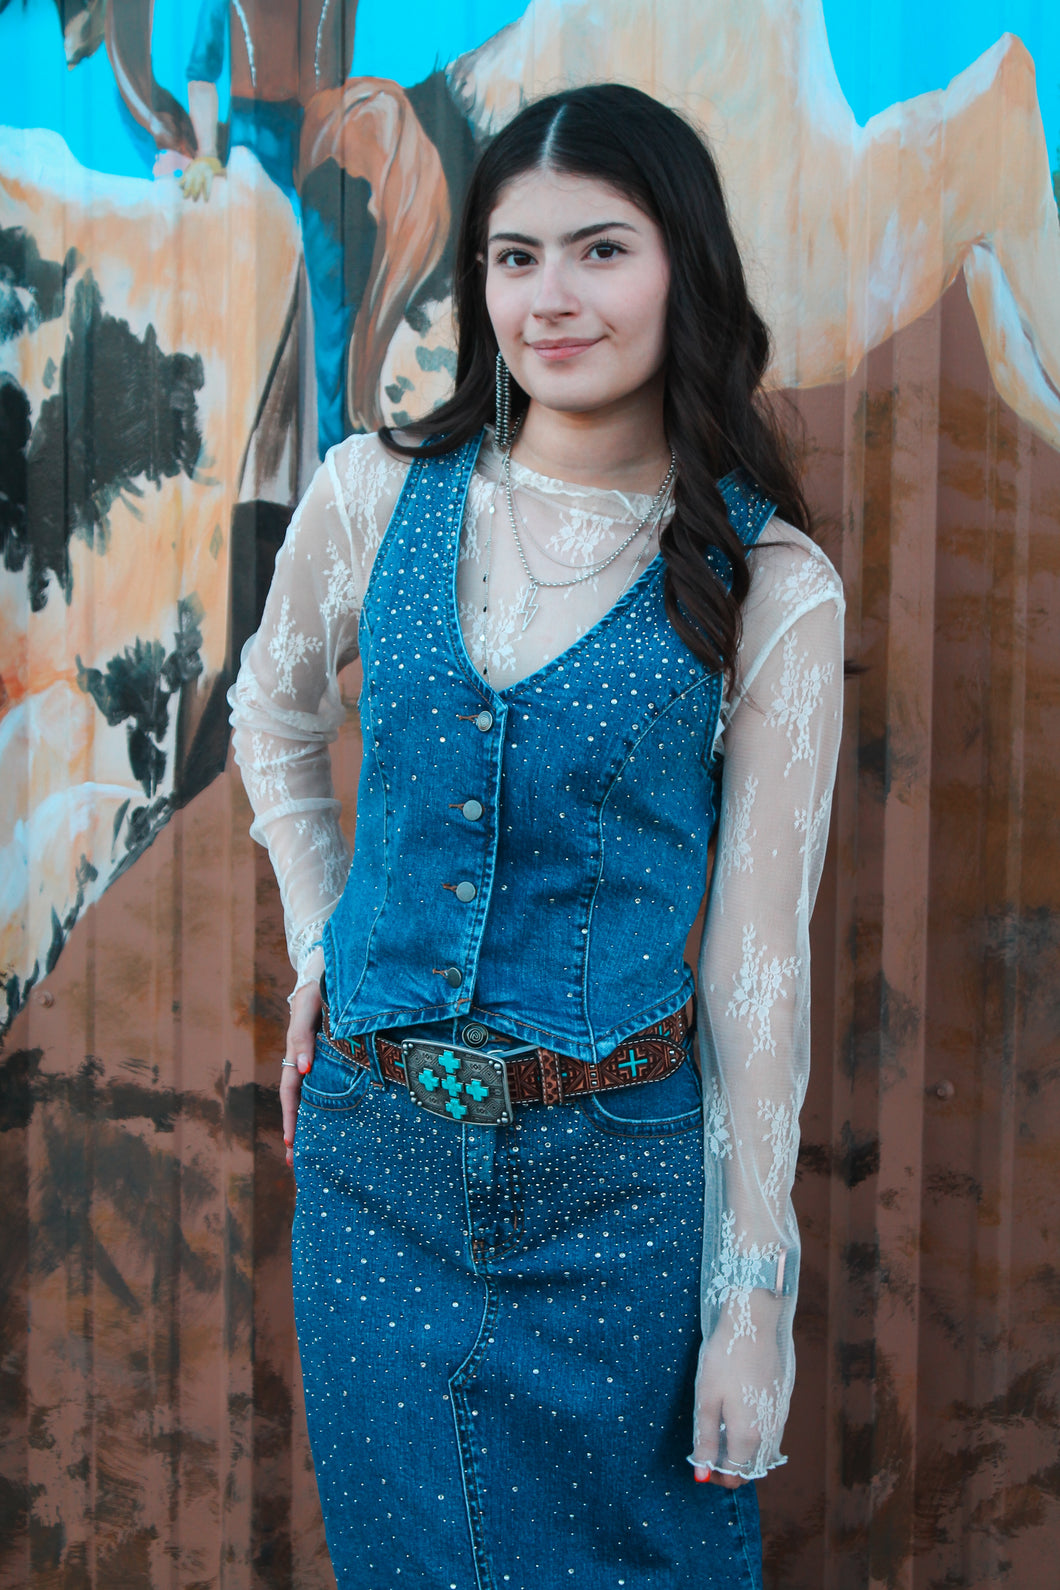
568,349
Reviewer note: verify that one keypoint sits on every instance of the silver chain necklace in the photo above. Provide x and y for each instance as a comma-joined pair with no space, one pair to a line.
528,604
482,632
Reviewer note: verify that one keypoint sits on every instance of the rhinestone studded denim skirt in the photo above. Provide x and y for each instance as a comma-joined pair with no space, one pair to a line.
498,1330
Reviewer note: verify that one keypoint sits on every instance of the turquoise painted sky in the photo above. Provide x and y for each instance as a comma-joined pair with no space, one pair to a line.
884,50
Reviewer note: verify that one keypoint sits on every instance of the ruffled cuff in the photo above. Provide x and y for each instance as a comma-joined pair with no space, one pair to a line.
310,970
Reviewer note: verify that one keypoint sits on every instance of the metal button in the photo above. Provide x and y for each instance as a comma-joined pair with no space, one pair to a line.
466,891
453,976
484,721
472,810
475,1035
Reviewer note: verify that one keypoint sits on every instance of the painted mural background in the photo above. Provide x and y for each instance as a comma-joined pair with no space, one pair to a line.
224,242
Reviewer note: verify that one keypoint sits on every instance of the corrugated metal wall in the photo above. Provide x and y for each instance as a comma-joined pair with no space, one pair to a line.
152,1430
928,1175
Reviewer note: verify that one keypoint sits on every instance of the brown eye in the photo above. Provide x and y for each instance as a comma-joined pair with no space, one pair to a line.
515,257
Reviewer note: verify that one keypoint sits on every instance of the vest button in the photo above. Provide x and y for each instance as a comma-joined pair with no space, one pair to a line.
466,892
453,976
472,810
484,721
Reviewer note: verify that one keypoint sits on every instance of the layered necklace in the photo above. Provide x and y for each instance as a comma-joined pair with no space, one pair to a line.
528,602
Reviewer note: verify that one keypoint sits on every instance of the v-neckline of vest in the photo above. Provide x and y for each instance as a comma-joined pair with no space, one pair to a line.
625,599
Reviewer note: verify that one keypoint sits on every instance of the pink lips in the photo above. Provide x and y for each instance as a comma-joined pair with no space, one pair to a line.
555,351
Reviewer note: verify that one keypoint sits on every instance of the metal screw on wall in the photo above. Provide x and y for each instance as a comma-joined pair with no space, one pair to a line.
46,998
942,1090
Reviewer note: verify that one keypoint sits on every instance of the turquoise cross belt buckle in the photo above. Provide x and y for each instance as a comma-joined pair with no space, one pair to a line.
458,1084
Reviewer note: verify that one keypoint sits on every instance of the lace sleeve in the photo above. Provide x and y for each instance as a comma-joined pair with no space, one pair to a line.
780,745
286,704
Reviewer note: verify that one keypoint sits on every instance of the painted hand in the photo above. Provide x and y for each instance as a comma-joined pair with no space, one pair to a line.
197,180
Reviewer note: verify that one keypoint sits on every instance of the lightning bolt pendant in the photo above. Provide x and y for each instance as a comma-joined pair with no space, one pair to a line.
526,606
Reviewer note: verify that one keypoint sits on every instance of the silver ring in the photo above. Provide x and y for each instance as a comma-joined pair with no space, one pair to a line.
288,1063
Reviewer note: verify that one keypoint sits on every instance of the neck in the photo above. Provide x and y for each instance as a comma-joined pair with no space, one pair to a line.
617,449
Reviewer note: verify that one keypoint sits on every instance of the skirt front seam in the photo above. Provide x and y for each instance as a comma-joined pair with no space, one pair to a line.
464,1425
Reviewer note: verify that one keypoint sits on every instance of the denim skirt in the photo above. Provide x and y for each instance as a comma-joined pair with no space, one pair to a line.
498,1329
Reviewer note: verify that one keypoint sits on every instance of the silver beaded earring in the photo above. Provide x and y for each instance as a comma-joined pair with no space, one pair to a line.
503,402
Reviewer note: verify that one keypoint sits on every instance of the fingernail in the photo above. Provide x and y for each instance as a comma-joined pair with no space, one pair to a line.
702,1475
303,1062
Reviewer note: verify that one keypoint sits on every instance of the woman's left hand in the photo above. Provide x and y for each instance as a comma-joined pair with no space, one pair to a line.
726,1410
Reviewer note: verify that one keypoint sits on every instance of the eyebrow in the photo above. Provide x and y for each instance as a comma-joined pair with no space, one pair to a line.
568,237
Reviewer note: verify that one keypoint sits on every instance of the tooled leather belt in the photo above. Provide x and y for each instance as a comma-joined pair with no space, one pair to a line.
465,1084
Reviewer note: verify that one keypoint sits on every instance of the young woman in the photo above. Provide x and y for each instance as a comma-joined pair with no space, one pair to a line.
544,1242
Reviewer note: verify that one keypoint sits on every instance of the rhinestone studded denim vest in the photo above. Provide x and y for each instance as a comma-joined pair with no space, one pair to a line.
533,857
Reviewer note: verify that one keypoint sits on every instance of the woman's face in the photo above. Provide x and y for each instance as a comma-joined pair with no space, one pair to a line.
576,287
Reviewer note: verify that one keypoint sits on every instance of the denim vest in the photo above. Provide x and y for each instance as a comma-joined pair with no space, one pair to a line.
532,857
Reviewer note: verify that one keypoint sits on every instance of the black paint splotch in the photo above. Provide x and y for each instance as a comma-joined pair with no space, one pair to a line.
16,426
32,289
137,686
124,412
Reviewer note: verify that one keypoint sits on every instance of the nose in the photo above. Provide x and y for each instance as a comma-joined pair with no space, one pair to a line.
554,295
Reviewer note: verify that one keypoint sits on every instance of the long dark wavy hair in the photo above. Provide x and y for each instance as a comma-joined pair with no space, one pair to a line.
715,414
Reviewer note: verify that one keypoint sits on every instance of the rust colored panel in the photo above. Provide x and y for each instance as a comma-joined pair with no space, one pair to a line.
155,1422
928,1173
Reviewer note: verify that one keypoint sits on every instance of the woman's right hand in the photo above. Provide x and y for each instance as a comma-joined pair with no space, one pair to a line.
306,1006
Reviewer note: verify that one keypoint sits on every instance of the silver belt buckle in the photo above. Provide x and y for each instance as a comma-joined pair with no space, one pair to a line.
460,1085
